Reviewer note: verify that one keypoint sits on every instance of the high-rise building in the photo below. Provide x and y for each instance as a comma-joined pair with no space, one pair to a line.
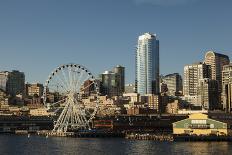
207,94
108,83
147,64
192,74
227,87
12,82
216,62
113,82
120,76
174,84
3,80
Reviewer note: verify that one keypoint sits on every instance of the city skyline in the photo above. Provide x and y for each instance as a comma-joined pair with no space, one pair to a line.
105,76
36,42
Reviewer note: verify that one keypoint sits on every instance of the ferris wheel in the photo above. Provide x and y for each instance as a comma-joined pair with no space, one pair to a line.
71,92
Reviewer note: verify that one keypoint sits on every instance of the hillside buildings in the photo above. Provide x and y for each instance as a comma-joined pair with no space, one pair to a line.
34,89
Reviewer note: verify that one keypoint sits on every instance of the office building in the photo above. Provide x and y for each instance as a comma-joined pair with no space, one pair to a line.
216,62
120,78
152,101
147,64
34,89
192,74
12,82
208,97
174,84
113,82
227,87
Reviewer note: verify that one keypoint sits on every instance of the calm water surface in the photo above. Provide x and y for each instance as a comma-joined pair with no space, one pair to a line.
35,145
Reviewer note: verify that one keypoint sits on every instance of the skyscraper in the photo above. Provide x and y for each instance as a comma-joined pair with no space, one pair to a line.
113,82
192,74
120,73
227,87
207,92
12,82
147,64
216,62
109,88
174,83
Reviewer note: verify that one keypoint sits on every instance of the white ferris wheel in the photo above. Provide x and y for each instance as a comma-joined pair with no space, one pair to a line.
71,92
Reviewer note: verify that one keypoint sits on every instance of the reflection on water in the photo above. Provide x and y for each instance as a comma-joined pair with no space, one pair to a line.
13,144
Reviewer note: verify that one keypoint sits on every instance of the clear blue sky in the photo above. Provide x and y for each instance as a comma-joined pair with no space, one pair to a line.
38,35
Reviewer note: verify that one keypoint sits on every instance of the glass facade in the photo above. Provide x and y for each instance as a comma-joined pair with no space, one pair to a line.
147,64
12,82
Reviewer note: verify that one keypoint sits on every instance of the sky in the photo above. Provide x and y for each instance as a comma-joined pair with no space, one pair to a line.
36,36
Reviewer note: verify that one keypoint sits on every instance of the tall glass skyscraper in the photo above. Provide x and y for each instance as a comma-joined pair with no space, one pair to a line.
147,64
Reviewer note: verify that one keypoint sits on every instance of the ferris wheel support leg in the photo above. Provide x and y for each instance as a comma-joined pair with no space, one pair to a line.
59,122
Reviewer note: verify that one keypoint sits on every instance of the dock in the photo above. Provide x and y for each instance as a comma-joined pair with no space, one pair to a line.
148,136
55,134
190,138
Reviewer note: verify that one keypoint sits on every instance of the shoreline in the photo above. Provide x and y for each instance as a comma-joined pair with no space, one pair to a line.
131,136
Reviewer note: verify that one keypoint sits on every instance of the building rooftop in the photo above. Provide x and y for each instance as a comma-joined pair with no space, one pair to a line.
216,54
108,72
147,35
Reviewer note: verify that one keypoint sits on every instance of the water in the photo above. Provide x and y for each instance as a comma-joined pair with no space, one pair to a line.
35,145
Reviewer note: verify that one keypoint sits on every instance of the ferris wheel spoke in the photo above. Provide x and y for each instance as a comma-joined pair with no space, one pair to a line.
75,114
61,118
74,79
78,81
54,89
66,113
62,79
80,113
78,77
65,79
70,78
52,104
58,109
81,82
75,72
84,117
62,82
67,116
87,86
88,112
76,110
